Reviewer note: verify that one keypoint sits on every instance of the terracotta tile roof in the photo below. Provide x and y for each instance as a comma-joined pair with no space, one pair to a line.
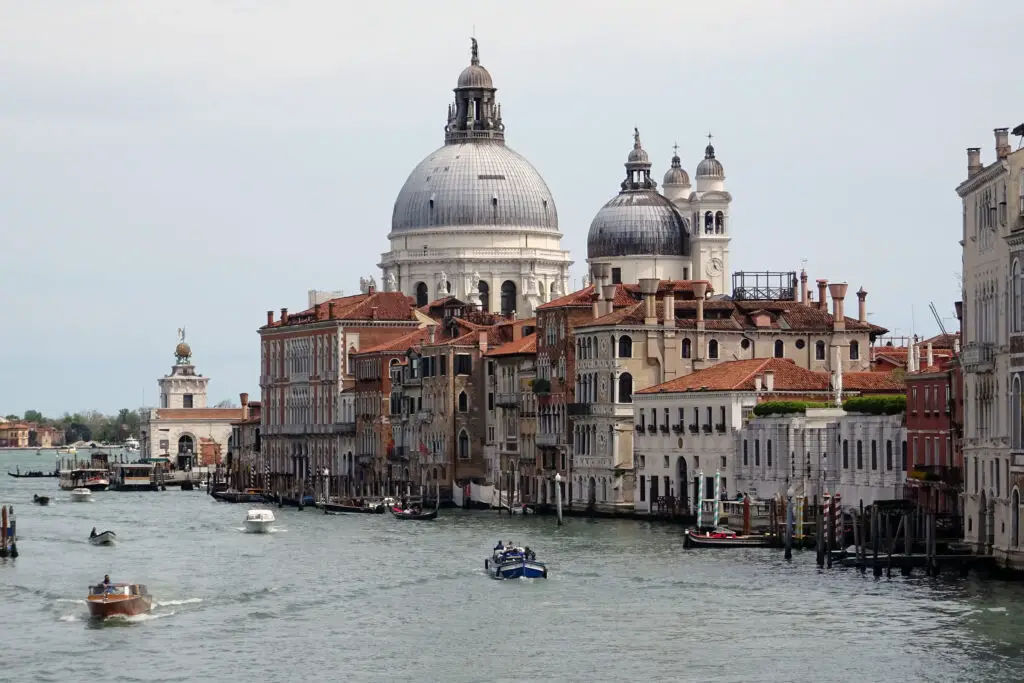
677,287
525,346
738,375
399,344
385,306
874,382
227,414
586,297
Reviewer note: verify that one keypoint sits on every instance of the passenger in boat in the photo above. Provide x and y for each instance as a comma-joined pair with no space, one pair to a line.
93,534
500,546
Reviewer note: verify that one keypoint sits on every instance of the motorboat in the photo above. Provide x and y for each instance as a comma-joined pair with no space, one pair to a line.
118,599
81,495
41,500
259,521
358,506
514,562
92,478
104,538
131,445
413,513
246,496
723,537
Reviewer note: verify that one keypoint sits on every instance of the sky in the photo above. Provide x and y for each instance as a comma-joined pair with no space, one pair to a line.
178,163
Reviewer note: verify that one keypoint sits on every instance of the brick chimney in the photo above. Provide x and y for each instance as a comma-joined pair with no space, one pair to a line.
803,287
330,310
838,292
862,305
973,161
669,304
316,311
371,290
482,342
822,297
270,317
432,333
243,398
700,290
608,294
284,316
1003,148
769,381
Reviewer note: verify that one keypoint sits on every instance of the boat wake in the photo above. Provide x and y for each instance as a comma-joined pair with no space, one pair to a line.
271,530
172,603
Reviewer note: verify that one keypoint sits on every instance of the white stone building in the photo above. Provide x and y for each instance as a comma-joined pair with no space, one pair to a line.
679,235
511,424
991,327
184,429
475,219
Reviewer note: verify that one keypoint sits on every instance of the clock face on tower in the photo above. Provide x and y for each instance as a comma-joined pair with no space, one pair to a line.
714,267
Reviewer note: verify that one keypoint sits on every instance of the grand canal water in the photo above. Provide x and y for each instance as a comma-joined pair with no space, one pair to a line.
370,598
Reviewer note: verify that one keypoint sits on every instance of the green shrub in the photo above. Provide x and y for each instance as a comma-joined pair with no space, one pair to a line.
785,407
541,386
876,405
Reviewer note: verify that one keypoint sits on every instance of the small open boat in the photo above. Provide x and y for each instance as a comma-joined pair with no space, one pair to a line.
722,537
259,521
118,599
399,513
34,474
81,495
41,500
105,538
513,562
358,506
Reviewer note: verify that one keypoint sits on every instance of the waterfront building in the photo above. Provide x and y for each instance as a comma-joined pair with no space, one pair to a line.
306,367
679,235
246,469
934,432
511,418
703,422
679,329
185,430
475,219
991,332
14,434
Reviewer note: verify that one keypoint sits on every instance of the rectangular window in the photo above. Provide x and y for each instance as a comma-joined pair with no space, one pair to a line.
757,452
186,401
643,489
616,276
463,364
490,401
444,365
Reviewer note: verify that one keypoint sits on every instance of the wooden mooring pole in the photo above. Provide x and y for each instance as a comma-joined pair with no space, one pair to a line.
876,525
819,529
830,533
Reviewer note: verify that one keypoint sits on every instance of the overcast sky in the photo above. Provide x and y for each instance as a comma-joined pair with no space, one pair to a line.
192,163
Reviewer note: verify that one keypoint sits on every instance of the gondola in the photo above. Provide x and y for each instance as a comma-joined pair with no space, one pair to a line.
33,475
724,538
409,514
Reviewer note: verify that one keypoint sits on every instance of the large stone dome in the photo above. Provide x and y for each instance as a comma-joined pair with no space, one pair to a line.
480,184
638,224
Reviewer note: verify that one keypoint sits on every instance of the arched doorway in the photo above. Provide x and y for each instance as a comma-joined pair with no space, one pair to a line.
982,522
681,484
186,452
485,296
422,294
508,297
592,492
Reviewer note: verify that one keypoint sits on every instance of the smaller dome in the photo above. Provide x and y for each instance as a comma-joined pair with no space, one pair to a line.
183,350
637,155
710,167
676,175
475,76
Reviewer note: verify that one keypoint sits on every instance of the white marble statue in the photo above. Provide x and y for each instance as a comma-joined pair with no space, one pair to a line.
364,285
181,335
442,284
390,282
531,284
586,280
372,282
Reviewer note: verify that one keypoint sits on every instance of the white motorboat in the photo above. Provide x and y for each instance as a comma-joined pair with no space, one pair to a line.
81,495
131,445
259,521
105,538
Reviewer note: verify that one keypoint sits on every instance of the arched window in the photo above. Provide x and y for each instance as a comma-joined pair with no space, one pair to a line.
508,297
888,455
1015,312
709,222
463,402
719,222
819,350
540,291
422,294
625,388
463,445
687,348
485,295
713,349
854,350
625,346
860,455
780,348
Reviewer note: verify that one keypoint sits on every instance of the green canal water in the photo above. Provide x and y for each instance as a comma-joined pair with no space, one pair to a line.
371,598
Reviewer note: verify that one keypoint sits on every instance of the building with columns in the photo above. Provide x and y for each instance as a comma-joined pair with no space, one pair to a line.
679,235
475,219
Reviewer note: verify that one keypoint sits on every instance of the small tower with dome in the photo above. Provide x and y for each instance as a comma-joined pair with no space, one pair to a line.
183,388
708,207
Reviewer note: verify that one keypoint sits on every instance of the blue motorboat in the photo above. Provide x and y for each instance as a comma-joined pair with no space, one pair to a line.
512,562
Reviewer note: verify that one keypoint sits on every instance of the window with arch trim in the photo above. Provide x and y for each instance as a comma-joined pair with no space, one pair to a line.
422,294
625,388
854,350
625,346
780,348
463,445
687,347
713,349
819,350
463,402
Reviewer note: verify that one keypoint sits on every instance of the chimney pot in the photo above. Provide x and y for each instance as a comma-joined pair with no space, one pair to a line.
330,310
316,311
973,161
700,291
669,302
373,312
432,333
370,289
270,317
284,316
803,287
930,356
1002,142
838,292
608,294
482,342
822,297
862,305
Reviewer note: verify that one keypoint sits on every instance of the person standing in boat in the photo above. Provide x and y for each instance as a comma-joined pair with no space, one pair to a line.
93,534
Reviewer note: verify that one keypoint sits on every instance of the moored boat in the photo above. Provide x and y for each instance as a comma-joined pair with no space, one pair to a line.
722,537
259,521
356,506
92,478
81,495
105,538
246,496
118,599
40,500
414,514
513,562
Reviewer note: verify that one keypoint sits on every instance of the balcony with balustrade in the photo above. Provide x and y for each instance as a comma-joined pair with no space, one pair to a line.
508,399
978,357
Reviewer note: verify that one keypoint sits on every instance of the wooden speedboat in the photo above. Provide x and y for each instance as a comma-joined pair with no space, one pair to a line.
81,495
105,538
399,513
724,538
118,599
41,500
513,562
259,521
357,506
